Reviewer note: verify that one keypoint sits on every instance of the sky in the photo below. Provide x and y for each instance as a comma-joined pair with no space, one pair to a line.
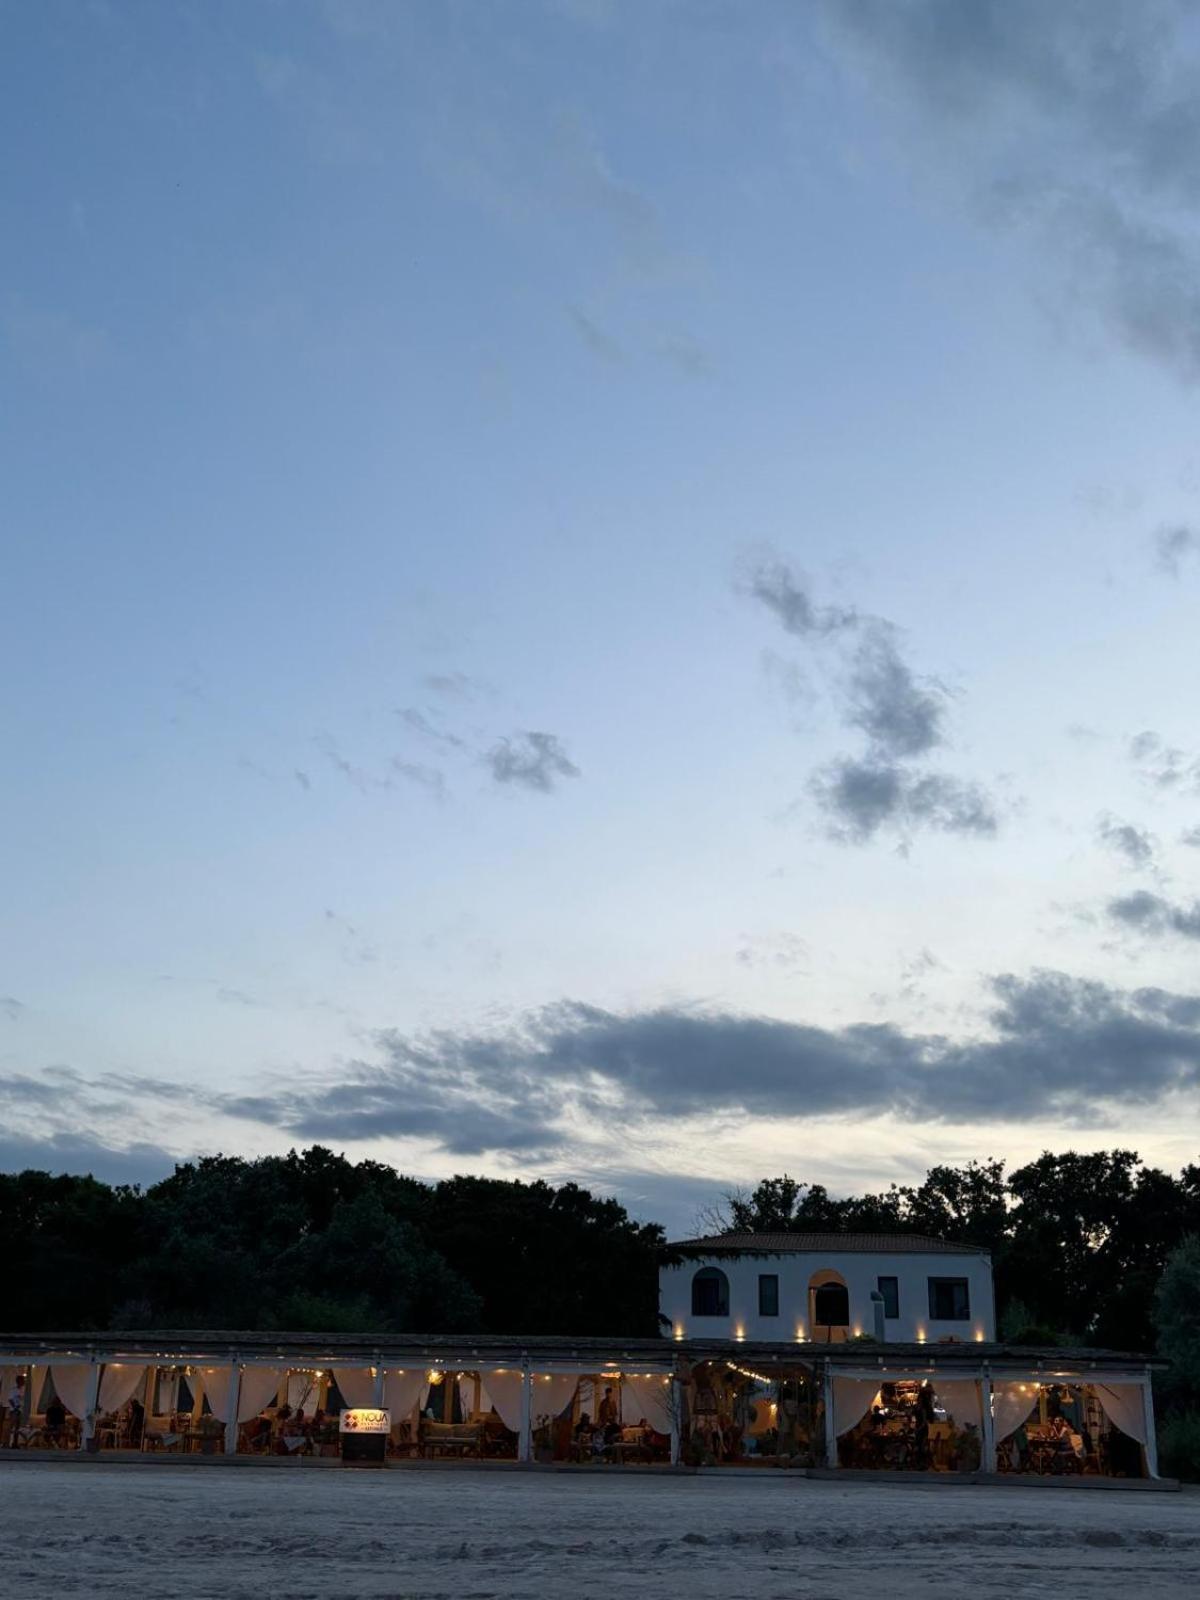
599,589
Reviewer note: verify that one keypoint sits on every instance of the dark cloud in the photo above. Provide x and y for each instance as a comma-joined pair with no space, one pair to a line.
786,595
1162,765
1172,545
1190,837
1135,844
11,1007
531,760
80,1155
1080,122
901,715
862,797
1152,914
1054,1046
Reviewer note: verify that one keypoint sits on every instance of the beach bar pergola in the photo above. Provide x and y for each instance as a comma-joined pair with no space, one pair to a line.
525,1395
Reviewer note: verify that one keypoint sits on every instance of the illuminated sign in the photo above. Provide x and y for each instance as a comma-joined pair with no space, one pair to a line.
365,1420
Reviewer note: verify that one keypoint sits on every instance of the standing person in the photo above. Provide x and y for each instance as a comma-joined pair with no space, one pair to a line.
56,1421
14,1410
608,1409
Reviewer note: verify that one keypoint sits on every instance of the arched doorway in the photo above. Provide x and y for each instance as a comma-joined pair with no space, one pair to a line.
828,1306
710,1293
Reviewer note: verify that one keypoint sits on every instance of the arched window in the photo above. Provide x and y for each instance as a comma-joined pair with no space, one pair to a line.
710,1293
831,1306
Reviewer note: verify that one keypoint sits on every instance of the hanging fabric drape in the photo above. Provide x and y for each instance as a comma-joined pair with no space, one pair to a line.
553,1393
72,1381
215,1385
357,1386
852,1399
401,1392
259,1387
503,1391
1011,1404
1123,1405
303,1389
960,1398
647,1399
119,1383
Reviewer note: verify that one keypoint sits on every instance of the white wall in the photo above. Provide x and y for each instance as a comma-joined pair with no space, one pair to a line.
859,1270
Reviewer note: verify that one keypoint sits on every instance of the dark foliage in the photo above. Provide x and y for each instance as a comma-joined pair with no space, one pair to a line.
312,1241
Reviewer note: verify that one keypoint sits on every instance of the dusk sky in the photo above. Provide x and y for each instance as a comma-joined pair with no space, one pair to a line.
600,590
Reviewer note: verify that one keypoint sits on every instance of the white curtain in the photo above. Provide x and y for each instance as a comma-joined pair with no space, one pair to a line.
852,1399
357,1386
552,1393
72,1381
503,1391
1011,1404
647,1399
120,1383
1123,1405
259,1387
401,1391
960,1397
303,1389
214,1382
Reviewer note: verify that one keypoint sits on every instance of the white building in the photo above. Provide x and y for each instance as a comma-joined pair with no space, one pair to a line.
827,1288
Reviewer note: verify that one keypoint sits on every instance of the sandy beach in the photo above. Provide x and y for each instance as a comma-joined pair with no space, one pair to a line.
324,1535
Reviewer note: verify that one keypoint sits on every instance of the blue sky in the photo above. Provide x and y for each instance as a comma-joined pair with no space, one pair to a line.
597,589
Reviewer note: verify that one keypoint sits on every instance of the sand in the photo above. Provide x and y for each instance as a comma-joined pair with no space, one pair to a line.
106,1530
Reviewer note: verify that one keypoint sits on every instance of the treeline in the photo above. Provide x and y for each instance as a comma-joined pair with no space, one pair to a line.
1078,1242
314,1242
311,1241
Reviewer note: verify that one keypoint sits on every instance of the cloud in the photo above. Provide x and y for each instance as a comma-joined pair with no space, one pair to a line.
414,772
1162,765
11,1007
599,342
451,685
531,760
1190,837
1152,914
1080,122
901,715
1172,545
1052,1045
786,595
863,797
238,997
418,722
80,1155
302,778
686,355
1135,844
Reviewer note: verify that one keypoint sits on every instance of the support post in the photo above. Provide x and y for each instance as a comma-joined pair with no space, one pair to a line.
988,1429
676,1420
233,1394
1151,1434
525,1437
378,1400
87,1422
831,1454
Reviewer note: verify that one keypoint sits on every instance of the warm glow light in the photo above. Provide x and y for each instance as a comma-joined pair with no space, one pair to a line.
858,1330
739,1333
920,1335
800,1334
679,1330
978,1335
434,1376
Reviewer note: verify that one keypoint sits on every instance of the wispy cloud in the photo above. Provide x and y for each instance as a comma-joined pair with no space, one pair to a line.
1172,546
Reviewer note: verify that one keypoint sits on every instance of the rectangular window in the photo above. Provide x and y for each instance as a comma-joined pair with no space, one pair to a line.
889,1288
949,1300
768,1294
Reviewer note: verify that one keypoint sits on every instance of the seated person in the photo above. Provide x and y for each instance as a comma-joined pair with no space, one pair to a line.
583,1427
56,1419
